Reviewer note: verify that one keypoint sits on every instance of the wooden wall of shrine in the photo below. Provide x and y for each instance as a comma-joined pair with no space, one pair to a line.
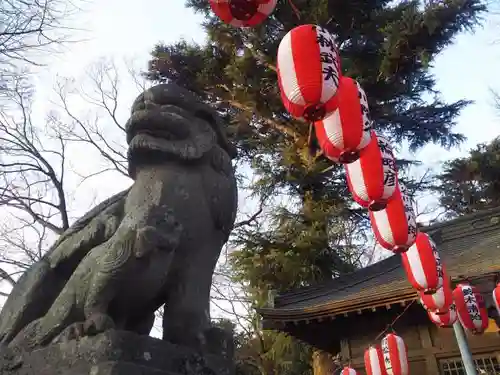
431,350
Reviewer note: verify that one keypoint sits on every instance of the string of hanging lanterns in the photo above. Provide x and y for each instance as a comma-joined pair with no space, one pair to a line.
313,88
390,356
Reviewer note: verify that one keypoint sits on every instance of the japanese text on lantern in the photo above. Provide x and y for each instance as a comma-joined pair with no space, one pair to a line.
386,353
388,162
390,171
439,264
412,225
365,111
471,303
328,54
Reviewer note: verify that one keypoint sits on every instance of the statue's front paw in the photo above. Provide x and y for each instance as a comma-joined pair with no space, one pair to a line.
95,324
72,332
98,323
10,360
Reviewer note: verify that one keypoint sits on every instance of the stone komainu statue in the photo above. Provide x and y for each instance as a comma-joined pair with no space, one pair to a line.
153,244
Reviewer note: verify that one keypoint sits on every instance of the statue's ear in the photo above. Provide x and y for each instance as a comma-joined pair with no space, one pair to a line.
219,127
138,103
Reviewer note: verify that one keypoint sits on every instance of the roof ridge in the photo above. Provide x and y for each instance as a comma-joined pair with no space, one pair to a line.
475,215
349,285
322,286
320,289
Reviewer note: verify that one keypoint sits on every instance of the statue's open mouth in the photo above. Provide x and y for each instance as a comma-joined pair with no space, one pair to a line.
155,131
167,122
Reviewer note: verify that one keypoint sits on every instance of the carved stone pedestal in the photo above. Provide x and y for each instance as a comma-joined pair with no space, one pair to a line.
114,353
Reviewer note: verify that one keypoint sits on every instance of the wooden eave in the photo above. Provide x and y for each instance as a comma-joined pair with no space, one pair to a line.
399,296
335,308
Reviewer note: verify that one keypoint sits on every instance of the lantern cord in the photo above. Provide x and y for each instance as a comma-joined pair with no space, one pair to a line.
390,326
328,22
294,8
310,145
387,329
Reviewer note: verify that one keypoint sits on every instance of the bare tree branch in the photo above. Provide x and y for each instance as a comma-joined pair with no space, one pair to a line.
34,198
252,218
4,275
100,127
22,243
496,100
31,169
30,28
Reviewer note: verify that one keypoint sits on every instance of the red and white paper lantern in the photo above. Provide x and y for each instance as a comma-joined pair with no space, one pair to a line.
346,131
423,266
372,179
496,297
241,13
471,308
444,320
308,72
374,361
395,355
440,301
348,371
395,227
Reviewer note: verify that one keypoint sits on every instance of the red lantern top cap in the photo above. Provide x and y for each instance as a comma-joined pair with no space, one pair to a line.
243,13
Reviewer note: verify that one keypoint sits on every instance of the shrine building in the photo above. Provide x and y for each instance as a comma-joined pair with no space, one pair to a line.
345,315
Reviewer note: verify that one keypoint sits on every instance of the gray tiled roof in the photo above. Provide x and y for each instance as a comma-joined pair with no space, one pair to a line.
469,245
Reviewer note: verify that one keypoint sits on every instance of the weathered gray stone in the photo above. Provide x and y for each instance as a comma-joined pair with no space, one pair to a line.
114,353
154,244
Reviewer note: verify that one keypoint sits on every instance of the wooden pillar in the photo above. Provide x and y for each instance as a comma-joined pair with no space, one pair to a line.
345,349
324,363
430,358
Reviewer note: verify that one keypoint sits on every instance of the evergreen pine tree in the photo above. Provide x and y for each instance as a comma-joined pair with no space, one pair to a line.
388,47
471,183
